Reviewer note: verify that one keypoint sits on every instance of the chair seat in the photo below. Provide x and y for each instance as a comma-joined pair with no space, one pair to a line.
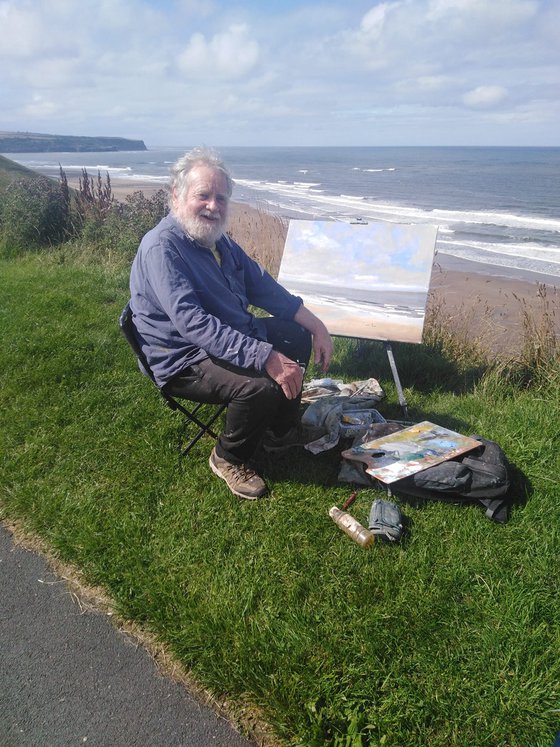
194,420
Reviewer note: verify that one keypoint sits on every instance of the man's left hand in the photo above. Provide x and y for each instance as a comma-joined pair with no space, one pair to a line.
322,349
322,341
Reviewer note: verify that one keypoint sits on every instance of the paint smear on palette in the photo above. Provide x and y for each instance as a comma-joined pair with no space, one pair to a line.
406,452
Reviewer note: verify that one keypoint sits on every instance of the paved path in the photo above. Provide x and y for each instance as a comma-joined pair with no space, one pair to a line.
68,678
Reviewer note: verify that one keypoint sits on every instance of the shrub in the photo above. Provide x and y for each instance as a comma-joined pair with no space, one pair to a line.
92,204
33,213
137,215
106,227
119,229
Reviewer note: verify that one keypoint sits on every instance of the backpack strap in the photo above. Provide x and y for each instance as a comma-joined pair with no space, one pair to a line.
497,509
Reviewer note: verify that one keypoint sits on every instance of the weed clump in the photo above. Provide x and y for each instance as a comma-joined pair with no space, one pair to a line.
38,213
33,214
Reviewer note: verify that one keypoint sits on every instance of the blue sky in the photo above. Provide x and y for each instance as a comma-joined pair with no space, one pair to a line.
180,72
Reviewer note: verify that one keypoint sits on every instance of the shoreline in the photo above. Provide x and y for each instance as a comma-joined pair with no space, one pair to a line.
122,186
482,300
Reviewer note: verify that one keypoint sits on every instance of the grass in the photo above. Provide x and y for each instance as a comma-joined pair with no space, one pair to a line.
10,170
450,638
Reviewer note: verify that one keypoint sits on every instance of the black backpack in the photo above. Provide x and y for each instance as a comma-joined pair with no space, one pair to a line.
478,476
481,475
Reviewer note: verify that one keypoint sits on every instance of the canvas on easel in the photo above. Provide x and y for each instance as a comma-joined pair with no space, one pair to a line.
364,280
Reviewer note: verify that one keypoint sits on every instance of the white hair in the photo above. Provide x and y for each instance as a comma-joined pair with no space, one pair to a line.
199,156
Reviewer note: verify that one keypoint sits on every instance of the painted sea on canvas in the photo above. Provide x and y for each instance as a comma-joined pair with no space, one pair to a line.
497,206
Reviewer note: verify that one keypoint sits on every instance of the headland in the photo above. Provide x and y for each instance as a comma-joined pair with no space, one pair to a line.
34,142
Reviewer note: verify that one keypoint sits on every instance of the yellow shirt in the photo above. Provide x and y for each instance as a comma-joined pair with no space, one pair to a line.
217,256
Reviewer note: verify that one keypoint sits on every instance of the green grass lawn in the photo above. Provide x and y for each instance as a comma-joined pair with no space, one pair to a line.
449,638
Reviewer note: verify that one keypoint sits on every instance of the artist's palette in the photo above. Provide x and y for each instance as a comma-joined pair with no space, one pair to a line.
411,450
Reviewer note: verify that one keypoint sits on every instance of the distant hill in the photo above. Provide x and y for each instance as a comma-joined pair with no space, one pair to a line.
33,142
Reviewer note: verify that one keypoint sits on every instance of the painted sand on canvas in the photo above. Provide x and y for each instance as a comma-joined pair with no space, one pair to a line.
363,280
409,451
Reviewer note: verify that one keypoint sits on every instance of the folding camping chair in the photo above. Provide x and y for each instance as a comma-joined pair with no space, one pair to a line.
191,417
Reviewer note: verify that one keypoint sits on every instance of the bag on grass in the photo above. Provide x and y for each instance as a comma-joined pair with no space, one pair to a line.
480,475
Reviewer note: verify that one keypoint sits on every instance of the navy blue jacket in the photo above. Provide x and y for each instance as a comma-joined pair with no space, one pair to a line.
187,308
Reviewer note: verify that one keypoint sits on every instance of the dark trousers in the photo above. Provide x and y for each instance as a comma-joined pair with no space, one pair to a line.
255,402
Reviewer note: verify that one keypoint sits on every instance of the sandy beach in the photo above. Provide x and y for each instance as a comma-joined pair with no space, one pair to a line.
490,302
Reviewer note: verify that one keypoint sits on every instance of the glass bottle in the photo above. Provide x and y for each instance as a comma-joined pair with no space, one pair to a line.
352,527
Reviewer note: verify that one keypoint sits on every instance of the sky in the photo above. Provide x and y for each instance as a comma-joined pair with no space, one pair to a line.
263,72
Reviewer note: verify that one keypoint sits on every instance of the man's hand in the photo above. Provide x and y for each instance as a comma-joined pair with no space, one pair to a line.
322,348
285,372
322,341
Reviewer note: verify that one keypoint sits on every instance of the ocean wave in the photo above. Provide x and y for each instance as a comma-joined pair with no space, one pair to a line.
496,259
144,177
498,219
531,251
369,207
120,170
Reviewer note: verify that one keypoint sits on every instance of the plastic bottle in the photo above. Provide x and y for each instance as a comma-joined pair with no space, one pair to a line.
351,527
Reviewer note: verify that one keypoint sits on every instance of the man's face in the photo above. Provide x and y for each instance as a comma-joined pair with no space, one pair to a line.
202,210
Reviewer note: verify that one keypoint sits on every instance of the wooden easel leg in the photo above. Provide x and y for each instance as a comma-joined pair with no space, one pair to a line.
390,356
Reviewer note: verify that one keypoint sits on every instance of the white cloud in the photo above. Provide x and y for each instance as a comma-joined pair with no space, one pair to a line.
20,31
228,55
41,107
485,97
374,20
308,72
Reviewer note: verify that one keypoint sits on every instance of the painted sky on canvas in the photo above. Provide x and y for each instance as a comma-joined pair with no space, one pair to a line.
185,72
345,255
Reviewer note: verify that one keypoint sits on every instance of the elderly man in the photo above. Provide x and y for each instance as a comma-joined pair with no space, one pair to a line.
191,287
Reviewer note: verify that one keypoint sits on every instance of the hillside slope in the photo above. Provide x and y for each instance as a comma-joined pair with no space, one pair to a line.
33,142
10,170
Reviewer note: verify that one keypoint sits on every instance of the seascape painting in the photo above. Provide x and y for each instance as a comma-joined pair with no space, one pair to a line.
364,280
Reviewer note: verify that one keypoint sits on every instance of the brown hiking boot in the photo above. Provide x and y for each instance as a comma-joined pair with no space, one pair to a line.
241,479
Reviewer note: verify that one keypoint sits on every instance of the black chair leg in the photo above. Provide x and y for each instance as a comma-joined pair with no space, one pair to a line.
204,427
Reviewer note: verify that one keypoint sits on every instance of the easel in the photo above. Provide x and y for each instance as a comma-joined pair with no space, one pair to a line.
400,393
389,350
391,358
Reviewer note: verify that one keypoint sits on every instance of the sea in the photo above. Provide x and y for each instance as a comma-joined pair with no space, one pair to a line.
498,207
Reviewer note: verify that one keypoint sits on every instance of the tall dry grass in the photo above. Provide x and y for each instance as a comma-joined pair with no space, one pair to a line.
540,325
262,235
472,332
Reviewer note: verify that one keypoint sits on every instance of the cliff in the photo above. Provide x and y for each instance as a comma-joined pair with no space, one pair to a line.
32,142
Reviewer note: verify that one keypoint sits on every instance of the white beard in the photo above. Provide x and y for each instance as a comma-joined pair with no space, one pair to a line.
205,233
